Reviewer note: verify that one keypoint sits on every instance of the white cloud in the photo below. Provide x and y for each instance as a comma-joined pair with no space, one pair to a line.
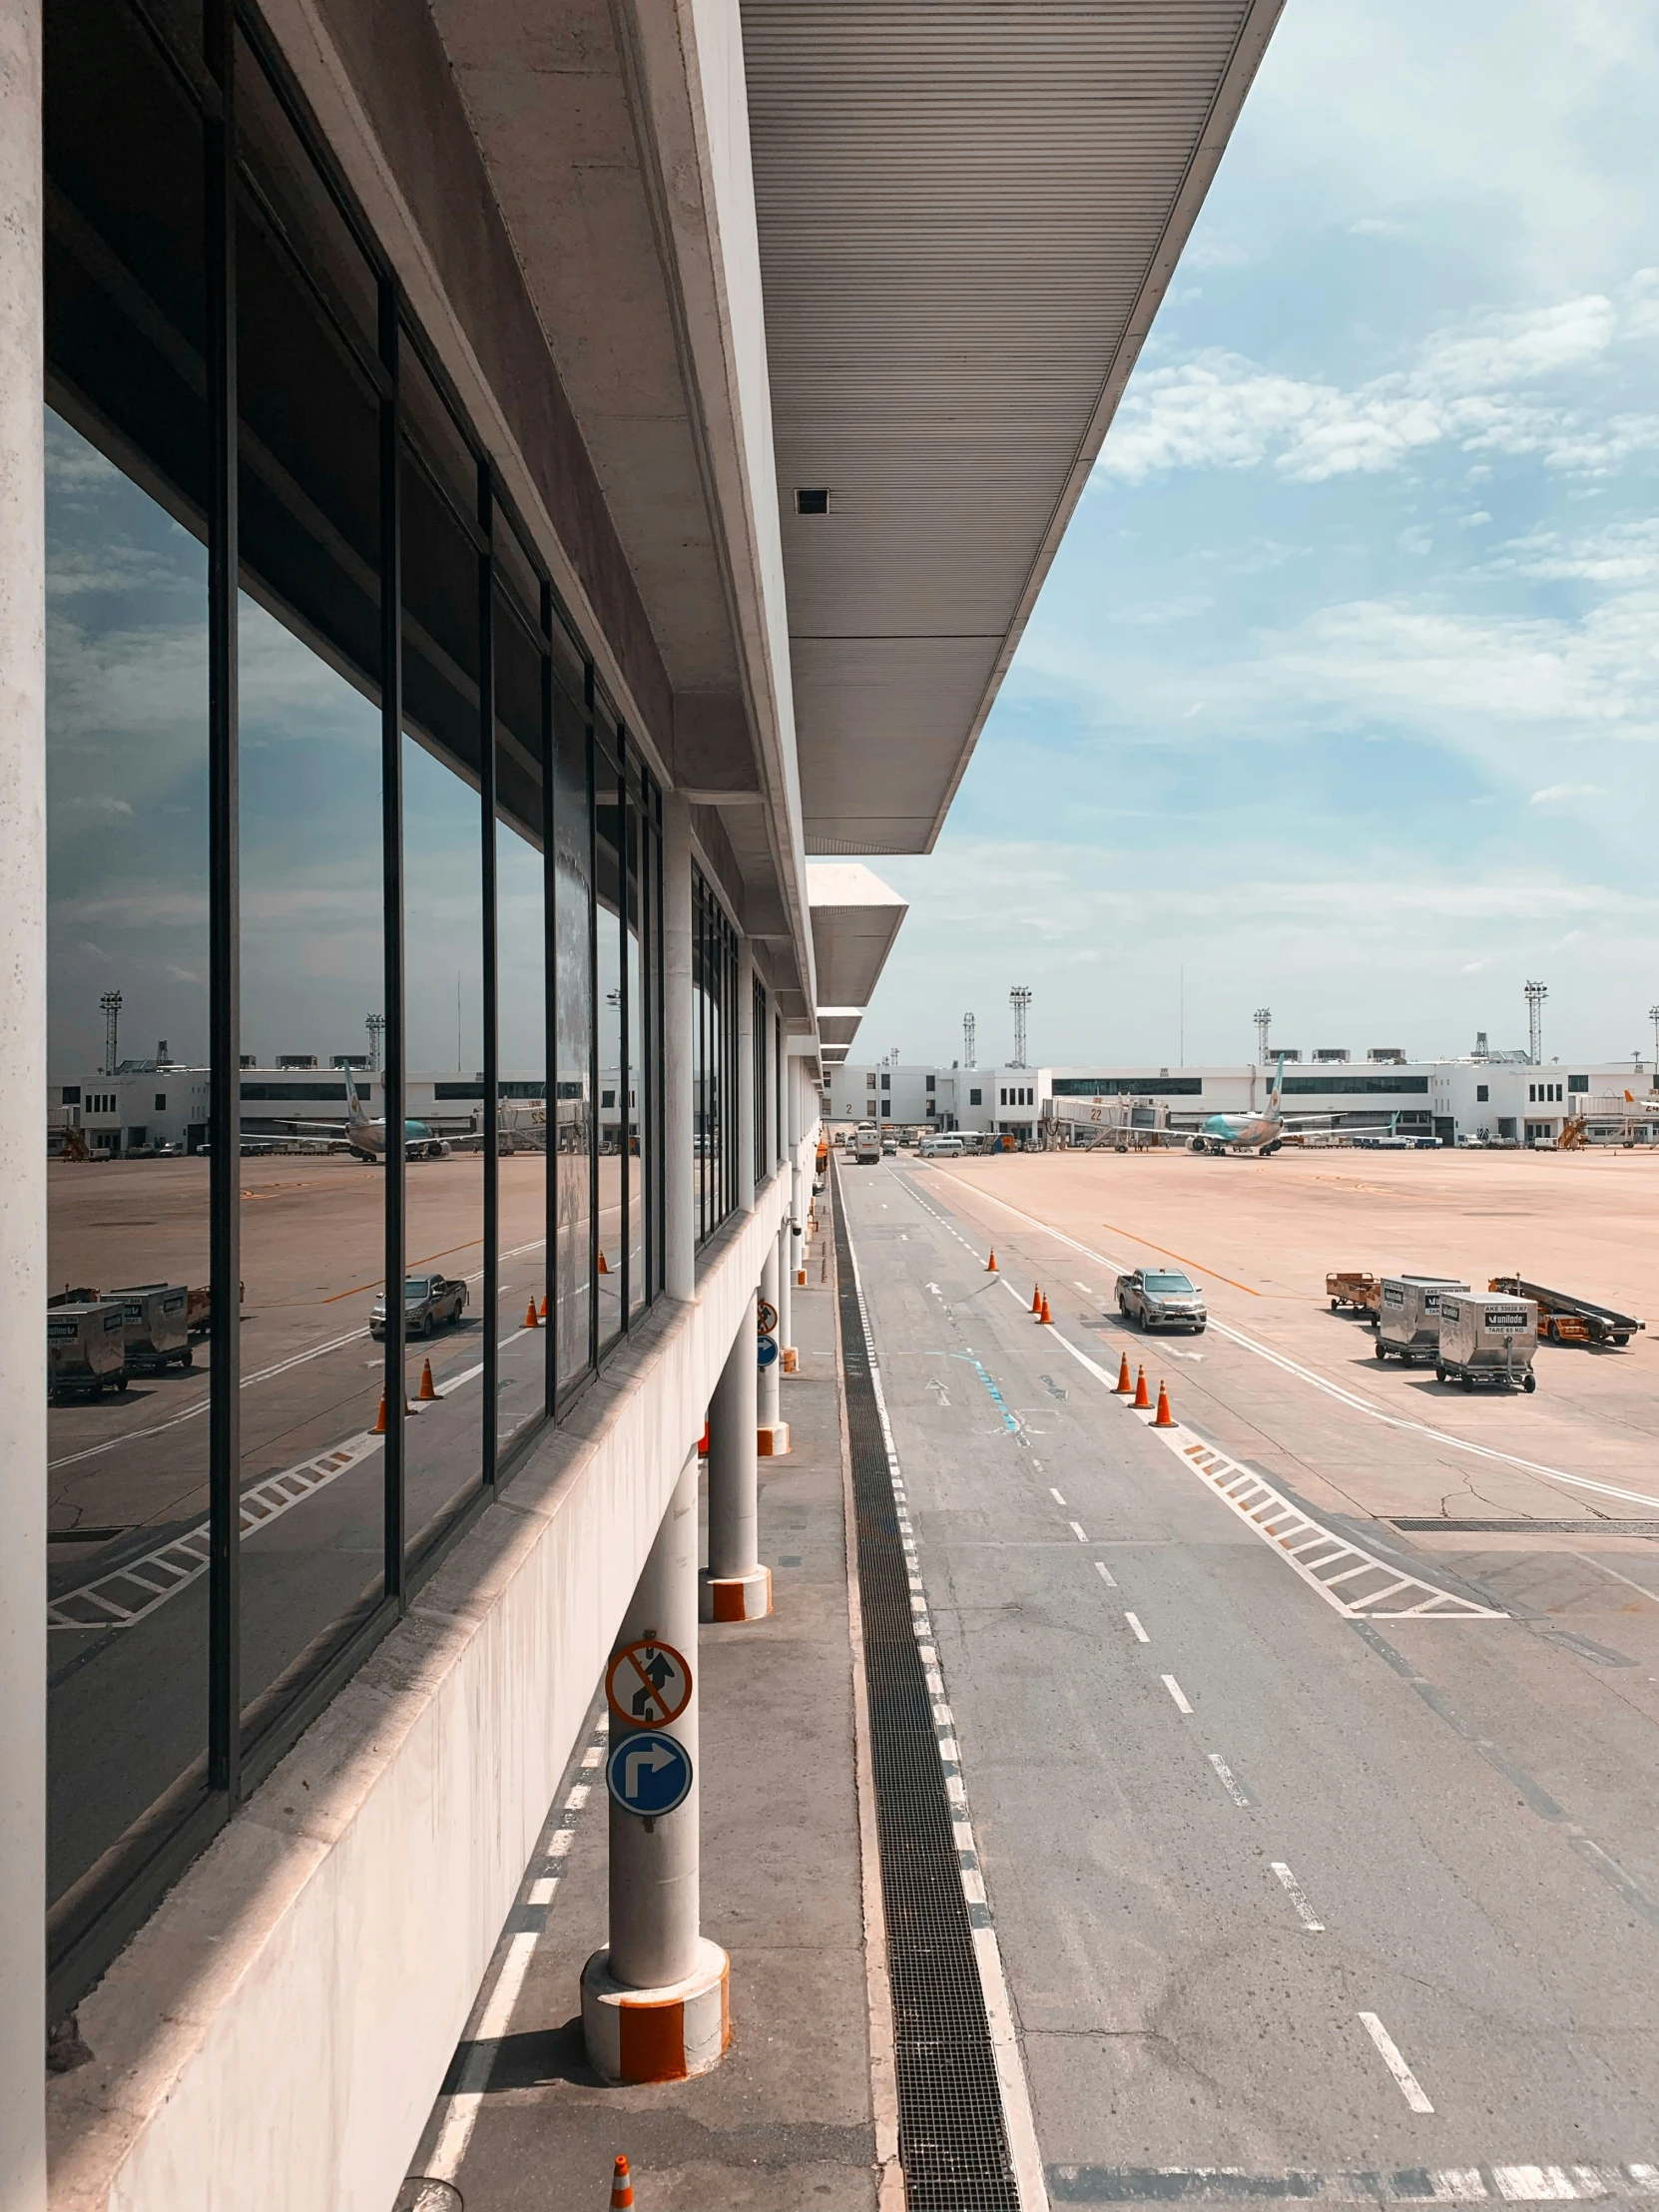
1552,793
1220,410
1619,553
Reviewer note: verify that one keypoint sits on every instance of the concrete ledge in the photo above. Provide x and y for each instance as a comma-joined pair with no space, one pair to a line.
292,2008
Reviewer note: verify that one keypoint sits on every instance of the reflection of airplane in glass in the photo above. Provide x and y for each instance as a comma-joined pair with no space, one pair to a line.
1261,1134
365,1137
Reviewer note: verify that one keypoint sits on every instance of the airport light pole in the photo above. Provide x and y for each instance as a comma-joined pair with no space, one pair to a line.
111,1003
1653,1016
968,1051
375,1025
1536,993
1019,999
1264,1030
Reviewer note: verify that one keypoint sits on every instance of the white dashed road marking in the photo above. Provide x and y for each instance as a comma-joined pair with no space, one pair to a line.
1293,1890
1141,1636
1105,1574
1078,1534
1175,1690
1229,1781
1056,1496
1410,2086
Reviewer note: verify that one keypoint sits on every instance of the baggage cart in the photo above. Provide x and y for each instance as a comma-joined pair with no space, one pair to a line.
1566,1320
1409,1316
86,1349
158,1325
1355,1291
1487,1336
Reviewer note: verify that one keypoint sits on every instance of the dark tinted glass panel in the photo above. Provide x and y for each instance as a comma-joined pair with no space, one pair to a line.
633,1184
523,1303
573,1046
311,943
612,1064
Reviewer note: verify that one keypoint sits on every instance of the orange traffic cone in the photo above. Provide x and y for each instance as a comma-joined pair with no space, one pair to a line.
1162,1419
1123,1387
604,1264
544,1308
990,1263
428,1387
1036,1299
1140,1401
1045,1316
530,1320
622,2188
381,1417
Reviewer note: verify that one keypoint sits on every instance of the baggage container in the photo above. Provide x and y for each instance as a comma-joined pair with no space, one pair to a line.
1487,1336
1352,1288
158,1325
85,1348
1409,1316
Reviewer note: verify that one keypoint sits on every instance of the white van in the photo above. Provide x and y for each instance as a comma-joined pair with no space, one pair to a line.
943,1146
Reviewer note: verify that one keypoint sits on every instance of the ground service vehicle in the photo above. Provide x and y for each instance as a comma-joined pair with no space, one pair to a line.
86,1349
1161,1298
428,1301
1409,1316
1571,1320
1487,1336
942,1148
157,1318
1358,1291
866,1149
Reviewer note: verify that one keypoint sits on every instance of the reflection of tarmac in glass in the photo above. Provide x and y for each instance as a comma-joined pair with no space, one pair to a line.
129,1698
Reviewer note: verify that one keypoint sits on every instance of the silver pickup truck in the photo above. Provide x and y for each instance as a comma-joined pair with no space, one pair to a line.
428,1301
1161,1298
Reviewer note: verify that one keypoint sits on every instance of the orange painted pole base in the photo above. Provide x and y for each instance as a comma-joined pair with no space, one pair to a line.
800,1275
734,1597
791,1360
668,2035
773,1443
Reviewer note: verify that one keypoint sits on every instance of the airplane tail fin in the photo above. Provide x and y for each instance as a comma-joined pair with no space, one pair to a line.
1277,1086
1629,1099
354,1104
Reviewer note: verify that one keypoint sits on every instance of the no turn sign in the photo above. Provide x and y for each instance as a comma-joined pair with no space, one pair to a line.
648,1684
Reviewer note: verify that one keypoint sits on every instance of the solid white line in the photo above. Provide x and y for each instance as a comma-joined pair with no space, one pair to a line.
1056,1496
1228,1782
1078,1534
1175,1691
1141,1636
1293,1890
1410,2086
1323,1384
462,2116
1602,1567
1105,1574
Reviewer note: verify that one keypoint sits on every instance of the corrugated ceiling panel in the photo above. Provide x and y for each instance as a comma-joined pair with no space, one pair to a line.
959,207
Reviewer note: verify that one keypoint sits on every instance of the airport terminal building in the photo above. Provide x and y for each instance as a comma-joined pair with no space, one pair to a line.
1501,1097
504,511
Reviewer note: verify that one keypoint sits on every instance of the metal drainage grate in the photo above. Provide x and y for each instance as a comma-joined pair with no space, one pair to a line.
1429,1524
951,2141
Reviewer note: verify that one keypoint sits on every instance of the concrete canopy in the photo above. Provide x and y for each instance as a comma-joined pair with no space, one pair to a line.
969,217
838,1025
856,918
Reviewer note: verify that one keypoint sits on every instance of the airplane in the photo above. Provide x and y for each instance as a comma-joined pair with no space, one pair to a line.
1258,1136
366,1138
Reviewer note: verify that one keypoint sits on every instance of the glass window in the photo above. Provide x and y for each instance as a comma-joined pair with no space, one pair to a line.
573,921
714,1055
129,959
635,1117
610,1013
523,800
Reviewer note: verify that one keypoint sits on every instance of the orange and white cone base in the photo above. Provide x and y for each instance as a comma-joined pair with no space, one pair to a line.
622,2187
668,2035
773,1441
734,1597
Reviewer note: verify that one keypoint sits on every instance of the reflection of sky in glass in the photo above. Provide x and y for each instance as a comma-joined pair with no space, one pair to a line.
443,952
127,778
521,987
311,950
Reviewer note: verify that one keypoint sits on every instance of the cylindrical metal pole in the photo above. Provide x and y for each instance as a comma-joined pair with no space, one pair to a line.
654,1865
784,1267
679,1150
22,1118
746,1077
733,1487
765,1412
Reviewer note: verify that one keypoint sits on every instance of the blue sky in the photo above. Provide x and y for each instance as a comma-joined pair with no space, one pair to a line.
1343,696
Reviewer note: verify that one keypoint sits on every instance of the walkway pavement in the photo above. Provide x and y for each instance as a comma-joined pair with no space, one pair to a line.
787,2120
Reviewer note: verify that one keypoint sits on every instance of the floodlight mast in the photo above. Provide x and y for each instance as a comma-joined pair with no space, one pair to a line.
1535,994
1019,999
1263,1029
970,1060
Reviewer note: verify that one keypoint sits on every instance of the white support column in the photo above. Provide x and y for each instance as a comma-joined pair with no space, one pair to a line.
679,1101
746,1077
771,1431
788,1362
735,1587
655,2004
22,1122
